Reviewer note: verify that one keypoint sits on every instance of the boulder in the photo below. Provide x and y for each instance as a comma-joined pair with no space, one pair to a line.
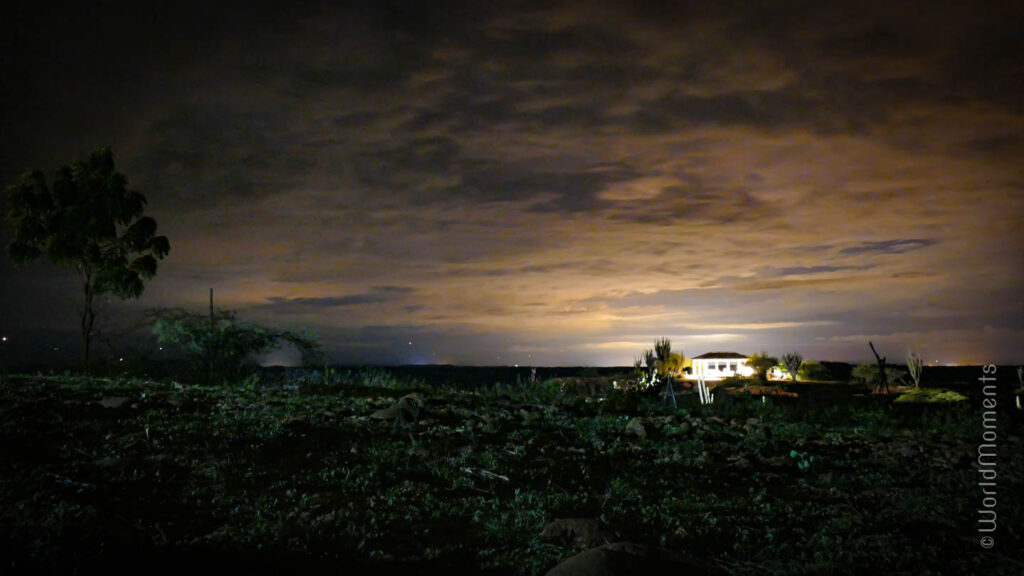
909,451
636,427
407,407
114,401
627,559
575,532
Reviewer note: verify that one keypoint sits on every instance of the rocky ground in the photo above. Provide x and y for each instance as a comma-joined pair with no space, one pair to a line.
370,473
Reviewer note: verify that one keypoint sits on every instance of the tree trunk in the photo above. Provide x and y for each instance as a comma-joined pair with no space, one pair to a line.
88,319
213,341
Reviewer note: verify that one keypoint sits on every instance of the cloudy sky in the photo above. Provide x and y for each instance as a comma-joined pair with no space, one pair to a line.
554,183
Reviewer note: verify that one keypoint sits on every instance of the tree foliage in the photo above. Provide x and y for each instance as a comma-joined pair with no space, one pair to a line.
662,350
812,370
761,364
222,346
87,220
650,360
673,365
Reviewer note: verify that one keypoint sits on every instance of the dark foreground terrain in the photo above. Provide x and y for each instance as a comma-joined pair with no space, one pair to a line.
367,471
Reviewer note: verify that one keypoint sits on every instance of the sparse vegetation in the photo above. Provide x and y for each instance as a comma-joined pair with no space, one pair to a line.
256,476
930,395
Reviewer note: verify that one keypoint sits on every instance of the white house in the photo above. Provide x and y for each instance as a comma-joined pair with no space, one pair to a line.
718,365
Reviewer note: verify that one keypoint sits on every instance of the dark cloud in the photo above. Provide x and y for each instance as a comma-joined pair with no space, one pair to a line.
898,246
377,295
758,109
990,64
804,270
201,155
573,190
550,176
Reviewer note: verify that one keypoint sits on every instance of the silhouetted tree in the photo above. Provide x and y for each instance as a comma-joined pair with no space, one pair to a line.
792,361
662,350
650,360
87,220
914,367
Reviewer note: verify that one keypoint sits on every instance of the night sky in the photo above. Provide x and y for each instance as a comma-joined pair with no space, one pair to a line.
556,183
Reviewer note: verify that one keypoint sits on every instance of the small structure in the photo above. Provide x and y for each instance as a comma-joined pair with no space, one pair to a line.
718,365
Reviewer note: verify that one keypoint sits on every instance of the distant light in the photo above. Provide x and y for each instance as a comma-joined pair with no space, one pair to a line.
120,359
410,342
55,349
161,348
5,339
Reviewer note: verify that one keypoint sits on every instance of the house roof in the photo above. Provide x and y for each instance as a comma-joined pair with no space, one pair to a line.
720,356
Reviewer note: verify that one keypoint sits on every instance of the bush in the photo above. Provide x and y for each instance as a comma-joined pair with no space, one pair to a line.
761,364
811,370
868,374
221,347
738,381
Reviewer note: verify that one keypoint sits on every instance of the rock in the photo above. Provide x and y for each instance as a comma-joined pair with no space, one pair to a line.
389,413
574,532
407,407
660,422
115,401
297,425
636,427
418,452
105,462
908,451
626,558
740,462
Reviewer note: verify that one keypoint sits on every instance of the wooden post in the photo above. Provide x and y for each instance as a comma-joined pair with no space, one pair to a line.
213,342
